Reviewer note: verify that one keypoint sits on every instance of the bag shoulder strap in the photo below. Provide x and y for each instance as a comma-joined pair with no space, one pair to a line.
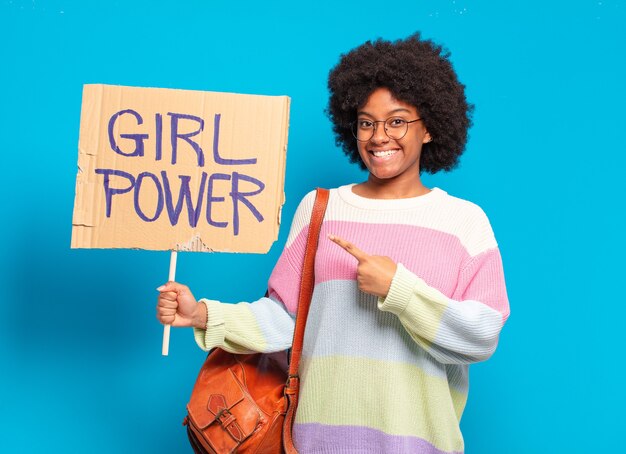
307,279
307,282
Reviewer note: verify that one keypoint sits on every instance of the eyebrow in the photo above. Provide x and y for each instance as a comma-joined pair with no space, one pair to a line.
401,109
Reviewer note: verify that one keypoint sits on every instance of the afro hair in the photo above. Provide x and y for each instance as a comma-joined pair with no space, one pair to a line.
416,71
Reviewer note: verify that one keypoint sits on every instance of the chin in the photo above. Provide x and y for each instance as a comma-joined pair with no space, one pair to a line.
383,175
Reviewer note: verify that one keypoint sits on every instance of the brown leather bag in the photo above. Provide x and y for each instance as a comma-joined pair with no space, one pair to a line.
246,403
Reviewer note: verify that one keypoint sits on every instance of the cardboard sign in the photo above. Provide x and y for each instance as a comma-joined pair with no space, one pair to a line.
179,170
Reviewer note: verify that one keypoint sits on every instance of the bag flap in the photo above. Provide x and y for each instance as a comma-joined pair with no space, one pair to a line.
222,402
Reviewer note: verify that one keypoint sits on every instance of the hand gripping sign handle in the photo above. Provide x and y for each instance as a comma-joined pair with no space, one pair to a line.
166,328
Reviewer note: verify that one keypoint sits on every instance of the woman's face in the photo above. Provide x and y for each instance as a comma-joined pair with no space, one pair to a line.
389,159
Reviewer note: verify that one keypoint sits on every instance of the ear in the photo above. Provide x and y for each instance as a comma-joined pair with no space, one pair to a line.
427,138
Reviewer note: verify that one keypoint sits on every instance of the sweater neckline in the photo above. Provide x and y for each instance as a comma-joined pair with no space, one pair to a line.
346,194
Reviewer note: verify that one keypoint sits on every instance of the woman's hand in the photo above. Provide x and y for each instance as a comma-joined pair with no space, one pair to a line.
374,272
176,306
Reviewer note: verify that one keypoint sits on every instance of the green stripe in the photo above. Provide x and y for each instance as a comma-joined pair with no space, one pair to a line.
232,327
396,398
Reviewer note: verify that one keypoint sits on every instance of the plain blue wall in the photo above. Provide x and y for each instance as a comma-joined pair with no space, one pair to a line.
79,342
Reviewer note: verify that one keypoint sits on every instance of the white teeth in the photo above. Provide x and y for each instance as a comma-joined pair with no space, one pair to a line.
383,154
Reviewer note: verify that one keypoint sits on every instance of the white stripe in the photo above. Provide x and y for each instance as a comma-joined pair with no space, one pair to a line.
440,211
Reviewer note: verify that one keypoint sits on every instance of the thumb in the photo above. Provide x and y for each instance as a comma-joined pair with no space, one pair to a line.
172,286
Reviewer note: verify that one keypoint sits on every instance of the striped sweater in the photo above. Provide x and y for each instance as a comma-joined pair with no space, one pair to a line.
380,375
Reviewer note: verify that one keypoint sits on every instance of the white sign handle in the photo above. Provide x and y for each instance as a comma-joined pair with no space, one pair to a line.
166,329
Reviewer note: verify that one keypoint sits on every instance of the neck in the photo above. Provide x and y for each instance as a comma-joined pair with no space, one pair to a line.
375,188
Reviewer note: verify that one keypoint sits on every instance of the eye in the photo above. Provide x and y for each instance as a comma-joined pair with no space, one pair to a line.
365,124
395,122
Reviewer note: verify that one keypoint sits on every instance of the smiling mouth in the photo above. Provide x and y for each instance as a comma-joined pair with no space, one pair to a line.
383,153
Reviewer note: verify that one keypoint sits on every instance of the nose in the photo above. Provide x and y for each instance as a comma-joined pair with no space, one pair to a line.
380,135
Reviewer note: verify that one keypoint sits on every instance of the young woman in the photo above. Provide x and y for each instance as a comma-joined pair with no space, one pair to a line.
409,286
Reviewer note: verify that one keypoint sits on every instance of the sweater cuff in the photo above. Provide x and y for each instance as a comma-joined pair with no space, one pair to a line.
215,332
400,291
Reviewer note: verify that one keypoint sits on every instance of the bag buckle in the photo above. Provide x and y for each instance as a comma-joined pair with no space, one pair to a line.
217,405
292,385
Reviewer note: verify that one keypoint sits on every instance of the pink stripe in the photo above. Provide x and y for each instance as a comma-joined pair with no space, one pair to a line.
439,258
284,283
483,280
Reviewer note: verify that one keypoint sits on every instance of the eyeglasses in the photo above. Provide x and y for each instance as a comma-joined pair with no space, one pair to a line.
395,128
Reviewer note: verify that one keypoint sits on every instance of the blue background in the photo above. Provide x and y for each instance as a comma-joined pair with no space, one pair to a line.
79,342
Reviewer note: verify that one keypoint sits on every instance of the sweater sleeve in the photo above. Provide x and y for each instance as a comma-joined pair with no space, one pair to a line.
265,325
462,330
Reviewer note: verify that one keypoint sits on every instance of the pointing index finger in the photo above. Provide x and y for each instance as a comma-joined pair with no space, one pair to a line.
349,247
